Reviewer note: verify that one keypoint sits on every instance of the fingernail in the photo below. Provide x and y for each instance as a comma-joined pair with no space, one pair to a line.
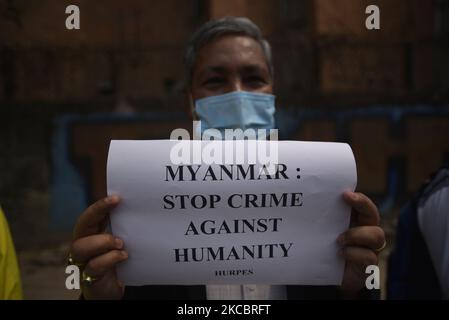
119,243
124,254
341,252
110,199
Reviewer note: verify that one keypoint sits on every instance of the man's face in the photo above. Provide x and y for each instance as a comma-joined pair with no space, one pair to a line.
230,63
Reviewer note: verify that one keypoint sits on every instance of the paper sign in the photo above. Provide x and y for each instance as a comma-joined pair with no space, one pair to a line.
202,212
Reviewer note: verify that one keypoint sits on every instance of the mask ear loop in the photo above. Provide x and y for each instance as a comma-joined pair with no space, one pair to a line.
196,123
192,108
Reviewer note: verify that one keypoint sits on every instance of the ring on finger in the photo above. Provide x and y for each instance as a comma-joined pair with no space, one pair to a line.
381,248
87,279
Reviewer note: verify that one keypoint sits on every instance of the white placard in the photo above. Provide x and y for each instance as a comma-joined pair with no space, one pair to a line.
235,222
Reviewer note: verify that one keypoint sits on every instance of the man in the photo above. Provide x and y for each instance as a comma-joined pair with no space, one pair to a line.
419,265
230,85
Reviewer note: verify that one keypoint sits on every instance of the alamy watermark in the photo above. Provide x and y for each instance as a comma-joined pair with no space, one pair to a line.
239,146
73,20
372,22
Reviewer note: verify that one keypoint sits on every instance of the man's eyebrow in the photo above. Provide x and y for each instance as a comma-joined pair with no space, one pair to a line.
212,69
253,68
247,68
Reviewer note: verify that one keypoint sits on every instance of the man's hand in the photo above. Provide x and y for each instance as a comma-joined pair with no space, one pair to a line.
360,242
98,252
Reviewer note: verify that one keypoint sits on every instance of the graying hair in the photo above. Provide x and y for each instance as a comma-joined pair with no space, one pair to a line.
217,28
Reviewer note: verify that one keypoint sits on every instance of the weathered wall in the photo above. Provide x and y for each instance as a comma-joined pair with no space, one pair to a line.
128,55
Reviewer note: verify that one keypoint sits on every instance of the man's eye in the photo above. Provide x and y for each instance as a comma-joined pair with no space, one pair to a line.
255,80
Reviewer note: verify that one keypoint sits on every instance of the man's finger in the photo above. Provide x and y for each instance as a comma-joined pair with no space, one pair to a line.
366,236
360,256
89,247
364,210
90,221
97,267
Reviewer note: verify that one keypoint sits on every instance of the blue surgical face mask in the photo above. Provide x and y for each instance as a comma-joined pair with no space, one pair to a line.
236,110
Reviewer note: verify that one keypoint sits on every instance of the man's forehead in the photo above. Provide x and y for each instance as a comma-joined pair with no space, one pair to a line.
230,50
249,67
